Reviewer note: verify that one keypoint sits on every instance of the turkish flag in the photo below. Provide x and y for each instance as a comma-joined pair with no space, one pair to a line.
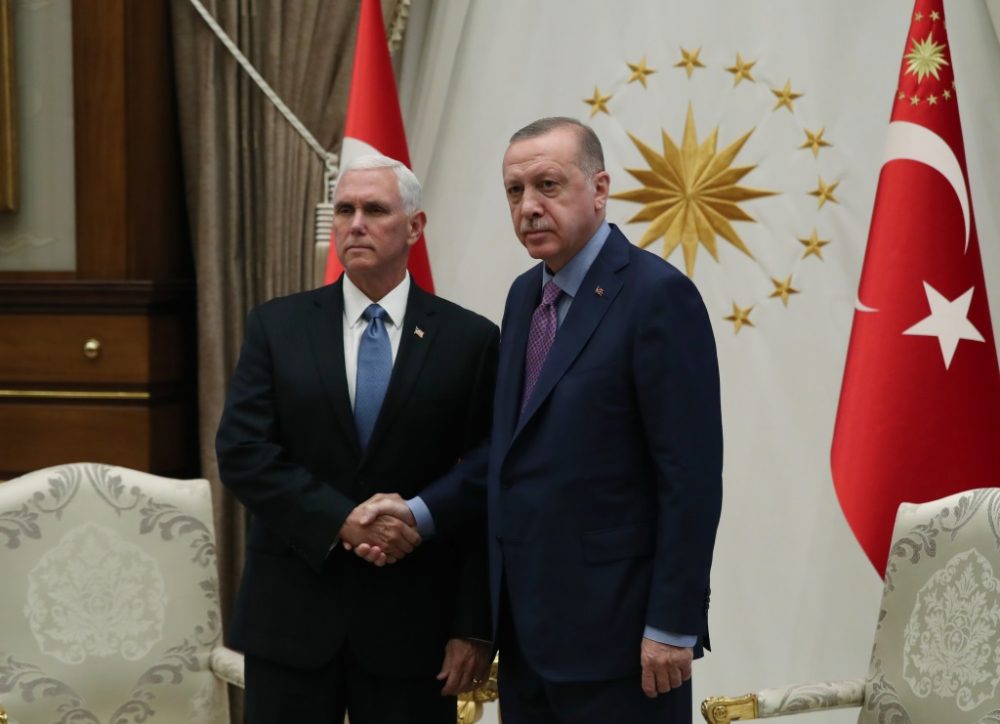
919,414
375,125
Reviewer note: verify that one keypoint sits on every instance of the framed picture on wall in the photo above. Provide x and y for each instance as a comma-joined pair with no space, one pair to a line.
8,119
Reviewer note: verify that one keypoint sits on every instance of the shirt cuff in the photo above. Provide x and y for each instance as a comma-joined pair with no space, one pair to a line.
684,641
421,514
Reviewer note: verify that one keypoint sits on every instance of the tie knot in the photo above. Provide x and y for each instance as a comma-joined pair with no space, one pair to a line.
374,311
550,292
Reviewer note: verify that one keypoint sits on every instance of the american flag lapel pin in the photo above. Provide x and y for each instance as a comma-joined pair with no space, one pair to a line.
419,332
599,291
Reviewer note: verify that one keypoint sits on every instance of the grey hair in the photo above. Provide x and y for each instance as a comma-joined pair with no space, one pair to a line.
409,186
590,159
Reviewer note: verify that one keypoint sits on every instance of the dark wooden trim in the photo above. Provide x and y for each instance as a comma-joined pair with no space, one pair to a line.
35,275
68,296
131,221
8,110
99,135
157,228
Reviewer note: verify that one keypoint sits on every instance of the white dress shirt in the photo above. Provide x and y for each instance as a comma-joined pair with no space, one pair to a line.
355,304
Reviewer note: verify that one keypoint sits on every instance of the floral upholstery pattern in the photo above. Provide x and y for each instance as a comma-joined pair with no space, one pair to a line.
109,606
936,656
937,646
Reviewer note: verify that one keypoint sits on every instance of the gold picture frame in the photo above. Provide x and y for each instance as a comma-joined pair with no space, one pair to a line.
8,117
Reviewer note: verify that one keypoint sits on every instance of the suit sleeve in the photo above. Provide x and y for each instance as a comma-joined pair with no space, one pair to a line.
677,387
457,500
305,512
472,609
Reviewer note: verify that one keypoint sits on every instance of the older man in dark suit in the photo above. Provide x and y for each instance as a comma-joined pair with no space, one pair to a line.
364,386
604,479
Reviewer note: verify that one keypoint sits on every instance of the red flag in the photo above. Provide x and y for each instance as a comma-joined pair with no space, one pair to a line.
374,123
919,414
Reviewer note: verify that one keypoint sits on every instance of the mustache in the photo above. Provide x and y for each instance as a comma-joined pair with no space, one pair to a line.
534,224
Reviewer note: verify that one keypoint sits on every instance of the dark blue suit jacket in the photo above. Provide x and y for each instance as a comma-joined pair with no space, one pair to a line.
604,495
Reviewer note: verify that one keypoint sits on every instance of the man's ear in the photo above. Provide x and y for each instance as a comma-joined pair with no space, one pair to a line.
417,223
602,185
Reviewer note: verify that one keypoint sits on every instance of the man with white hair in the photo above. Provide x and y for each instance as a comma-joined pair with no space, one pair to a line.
368,385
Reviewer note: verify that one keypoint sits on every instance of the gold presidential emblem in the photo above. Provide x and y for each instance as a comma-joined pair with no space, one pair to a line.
690,193
700,193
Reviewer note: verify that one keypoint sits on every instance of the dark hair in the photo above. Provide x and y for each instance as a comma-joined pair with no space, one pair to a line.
591,156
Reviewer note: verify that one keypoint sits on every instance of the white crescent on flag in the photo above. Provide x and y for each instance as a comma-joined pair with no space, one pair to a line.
913,142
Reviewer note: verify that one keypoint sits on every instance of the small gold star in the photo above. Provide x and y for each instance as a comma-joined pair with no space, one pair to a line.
935,15
689,61
598,102
914,100
640,71
814,141
901,96
741,70
946,95
918,16
932,100
785,97
783,289
814,245
824,192
740,317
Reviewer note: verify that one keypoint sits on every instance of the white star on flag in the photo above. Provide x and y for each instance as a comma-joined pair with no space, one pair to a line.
948,321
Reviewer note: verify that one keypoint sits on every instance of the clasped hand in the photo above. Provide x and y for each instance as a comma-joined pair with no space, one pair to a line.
381,530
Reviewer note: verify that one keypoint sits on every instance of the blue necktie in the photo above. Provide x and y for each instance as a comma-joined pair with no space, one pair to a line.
374,370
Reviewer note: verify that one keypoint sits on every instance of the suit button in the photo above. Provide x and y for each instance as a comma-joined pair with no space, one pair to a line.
505,484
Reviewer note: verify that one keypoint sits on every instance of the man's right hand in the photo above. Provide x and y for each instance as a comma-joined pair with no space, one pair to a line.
391,537
381,505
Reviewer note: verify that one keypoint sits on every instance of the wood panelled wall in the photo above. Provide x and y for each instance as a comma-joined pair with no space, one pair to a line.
98,364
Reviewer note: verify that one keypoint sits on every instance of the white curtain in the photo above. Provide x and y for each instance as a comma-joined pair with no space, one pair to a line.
794,599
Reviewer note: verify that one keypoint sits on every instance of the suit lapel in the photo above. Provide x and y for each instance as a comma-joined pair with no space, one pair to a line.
326,335
418,334
593,299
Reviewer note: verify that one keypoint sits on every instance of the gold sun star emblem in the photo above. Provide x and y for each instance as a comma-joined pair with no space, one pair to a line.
925,58
690,193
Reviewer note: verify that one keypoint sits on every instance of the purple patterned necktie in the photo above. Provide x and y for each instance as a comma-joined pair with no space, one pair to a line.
544,323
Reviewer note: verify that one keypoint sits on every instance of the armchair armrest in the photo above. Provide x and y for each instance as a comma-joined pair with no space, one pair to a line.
797,699
226,665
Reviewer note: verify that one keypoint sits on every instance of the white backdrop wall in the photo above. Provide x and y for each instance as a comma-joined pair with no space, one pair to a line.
794,599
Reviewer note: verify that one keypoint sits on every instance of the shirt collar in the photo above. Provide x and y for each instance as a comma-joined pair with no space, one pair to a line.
394,303
570,277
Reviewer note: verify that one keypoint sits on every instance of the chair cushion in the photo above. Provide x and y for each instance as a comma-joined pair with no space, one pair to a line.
109,605
937,643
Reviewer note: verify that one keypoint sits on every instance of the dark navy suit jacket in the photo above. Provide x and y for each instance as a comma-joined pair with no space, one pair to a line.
604,494
288,450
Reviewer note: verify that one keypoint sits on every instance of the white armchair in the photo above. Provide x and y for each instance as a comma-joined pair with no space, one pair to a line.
109,608
936,657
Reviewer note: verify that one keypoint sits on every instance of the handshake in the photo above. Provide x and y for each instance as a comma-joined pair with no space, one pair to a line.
381,530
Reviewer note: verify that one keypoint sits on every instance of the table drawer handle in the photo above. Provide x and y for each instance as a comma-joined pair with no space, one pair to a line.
92,348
